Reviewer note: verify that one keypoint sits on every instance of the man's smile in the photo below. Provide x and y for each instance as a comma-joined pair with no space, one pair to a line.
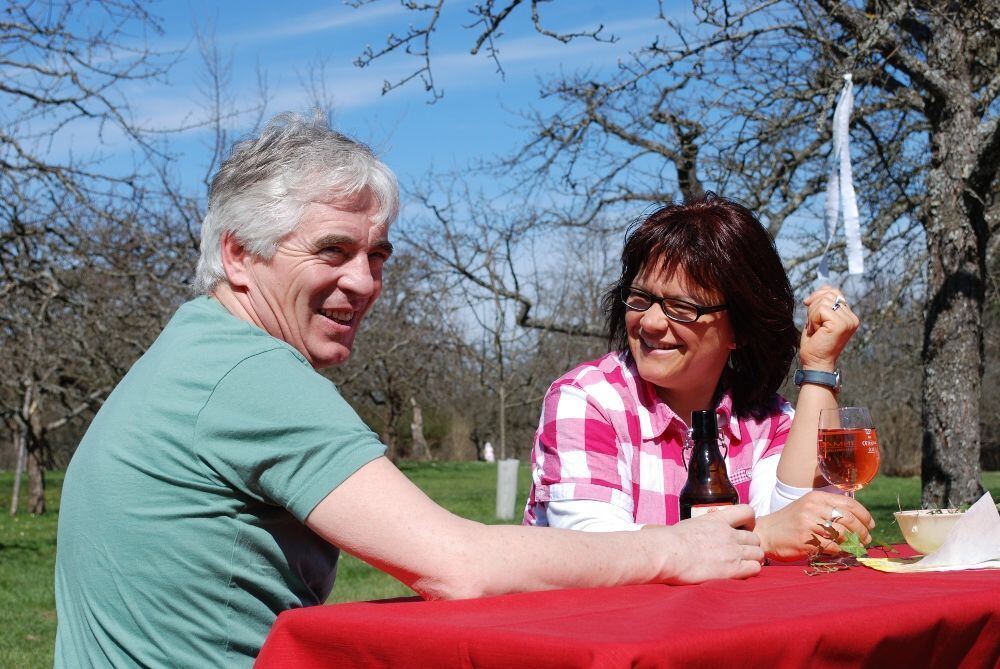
340,316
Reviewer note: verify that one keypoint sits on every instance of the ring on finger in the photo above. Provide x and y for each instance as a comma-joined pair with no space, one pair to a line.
839,302
835,514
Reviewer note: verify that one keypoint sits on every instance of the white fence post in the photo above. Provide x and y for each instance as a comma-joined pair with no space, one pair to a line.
506,488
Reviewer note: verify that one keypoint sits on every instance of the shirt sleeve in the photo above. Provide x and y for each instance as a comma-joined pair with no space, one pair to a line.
780,426
276,430
586,515
784,495
576,453
762,485
766,456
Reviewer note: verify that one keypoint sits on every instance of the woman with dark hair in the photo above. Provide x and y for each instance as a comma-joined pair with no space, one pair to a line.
701,318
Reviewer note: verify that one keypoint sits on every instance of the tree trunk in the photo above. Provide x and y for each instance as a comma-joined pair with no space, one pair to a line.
36,481
20,446
390,437
419,450
503,423
953,331
37,449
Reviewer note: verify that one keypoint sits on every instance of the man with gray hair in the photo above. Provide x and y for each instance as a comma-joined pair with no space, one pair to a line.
216,485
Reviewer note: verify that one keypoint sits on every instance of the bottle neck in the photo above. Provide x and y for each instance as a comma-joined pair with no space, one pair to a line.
706,451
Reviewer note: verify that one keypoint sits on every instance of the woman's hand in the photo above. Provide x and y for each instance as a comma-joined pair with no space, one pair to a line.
800,529
830,323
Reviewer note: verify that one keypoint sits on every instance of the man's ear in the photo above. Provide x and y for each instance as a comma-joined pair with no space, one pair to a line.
236,261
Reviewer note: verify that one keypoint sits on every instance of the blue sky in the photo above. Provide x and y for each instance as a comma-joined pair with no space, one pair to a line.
475,120
286,42
291,42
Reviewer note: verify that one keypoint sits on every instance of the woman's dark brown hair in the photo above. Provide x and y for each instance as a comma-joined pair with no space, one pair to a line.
722,247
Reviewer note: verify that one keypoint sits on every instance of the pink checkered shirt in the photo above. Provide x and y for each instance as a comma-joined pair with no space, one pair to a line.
604,435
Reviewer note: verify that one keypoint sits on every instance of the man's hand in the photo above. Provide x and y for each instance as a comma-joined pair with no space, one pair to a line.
710,547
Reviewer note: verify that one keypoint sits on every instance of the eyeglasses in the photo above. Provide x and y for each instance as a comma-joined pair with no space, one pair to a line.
674,309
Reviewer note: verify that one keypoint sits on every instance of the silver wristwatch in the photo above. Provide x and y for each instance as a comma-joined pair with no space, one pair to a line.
829,379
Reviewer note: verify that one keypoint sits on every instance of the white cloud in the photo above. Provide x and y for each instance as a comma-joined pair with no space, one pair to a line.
319,21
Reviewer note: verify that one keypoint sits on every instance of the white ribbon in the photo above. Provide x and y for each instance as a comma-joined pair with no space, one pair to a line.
840,190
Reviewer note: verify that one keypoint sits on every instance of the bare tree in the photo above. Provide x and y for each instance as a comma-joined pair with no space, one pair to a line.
739,100
95,253
60,76
400,362
488,18
507,272
85,299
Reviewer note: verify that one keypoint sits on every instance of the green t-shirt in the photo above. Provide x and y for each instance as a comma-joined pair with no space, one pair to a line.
180,526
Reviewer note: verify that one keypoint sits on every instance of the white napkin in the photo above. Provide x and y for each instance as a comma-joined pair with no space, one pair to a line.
973,543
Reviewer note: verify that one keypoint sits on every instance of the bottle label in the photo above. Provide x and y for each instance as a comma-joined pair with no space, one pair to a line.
702,509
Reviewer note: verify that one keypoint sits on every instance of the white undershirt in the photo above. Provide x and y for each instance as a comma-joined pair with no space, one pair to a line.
767,495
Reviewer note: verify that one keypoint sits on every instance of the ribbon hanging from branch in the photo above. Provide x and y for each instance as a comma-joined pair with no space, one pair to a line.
840,194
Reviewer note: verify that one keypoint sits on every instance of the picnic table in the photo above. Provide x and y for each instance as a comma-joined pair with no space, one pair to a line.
784,617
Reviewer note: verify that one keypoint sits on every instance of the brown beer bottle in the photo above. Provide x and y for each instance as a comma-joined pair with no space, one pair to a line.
708,485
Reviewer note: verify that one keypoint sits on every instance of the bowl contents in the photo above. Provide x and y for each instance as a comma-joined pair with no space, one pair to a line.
926,530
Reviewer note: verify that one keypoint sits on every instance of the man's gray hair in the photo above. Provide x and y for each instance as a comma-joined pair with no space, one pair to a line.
262,188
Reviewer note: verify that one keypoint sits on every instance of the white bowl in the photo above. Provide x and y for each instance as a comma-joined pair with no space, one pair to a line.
926,530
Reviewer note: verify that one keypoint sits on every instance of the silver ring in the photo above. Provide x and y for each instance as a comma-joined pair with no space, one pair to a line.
835,514
839,302
827,524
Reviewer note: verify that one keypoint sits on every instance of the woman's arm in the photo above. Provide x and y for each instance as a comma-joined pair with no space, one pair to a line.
378,515
794,528
577,449
826,333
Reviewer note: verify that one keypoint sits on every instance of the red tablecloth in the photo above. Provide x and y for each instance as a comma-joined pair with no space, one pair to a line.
782,618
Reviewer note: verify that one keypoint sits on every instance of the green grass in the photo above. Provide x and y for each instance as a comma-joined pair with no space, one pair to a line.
888,494
464,488
27,563
27,547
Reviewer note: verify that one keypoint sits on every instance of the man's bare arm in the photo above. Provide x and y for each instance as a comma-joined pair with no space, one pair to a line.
379,516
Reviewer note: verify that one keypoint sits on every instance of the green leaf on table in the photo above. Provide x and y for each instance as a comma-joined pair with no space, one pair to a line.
852,544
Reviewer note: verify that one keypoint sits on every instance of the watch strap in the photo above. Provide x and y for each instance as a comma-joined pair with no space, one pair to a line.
829,379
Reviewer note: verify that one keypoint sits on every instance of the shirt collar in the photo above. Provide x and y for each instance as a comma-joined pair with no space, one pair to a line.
727,421
661,415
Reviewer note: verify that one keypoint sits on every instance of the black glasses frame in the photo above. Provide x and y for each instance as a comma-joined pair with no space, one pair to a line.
699,310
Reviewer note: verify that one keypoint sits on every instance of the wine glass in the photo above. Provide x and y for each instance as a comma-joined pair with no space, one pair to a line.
848,450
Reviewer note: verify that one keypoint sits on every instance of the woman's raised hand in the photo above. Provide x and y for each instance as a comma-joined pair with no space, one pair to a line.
830,323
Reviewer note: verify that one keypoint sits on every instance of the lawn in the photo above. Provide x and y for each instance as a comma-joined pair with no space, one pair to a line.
27,548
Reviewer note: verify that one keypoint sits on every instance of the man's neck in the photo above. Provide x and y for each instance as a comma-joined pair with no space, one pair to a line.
235,303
